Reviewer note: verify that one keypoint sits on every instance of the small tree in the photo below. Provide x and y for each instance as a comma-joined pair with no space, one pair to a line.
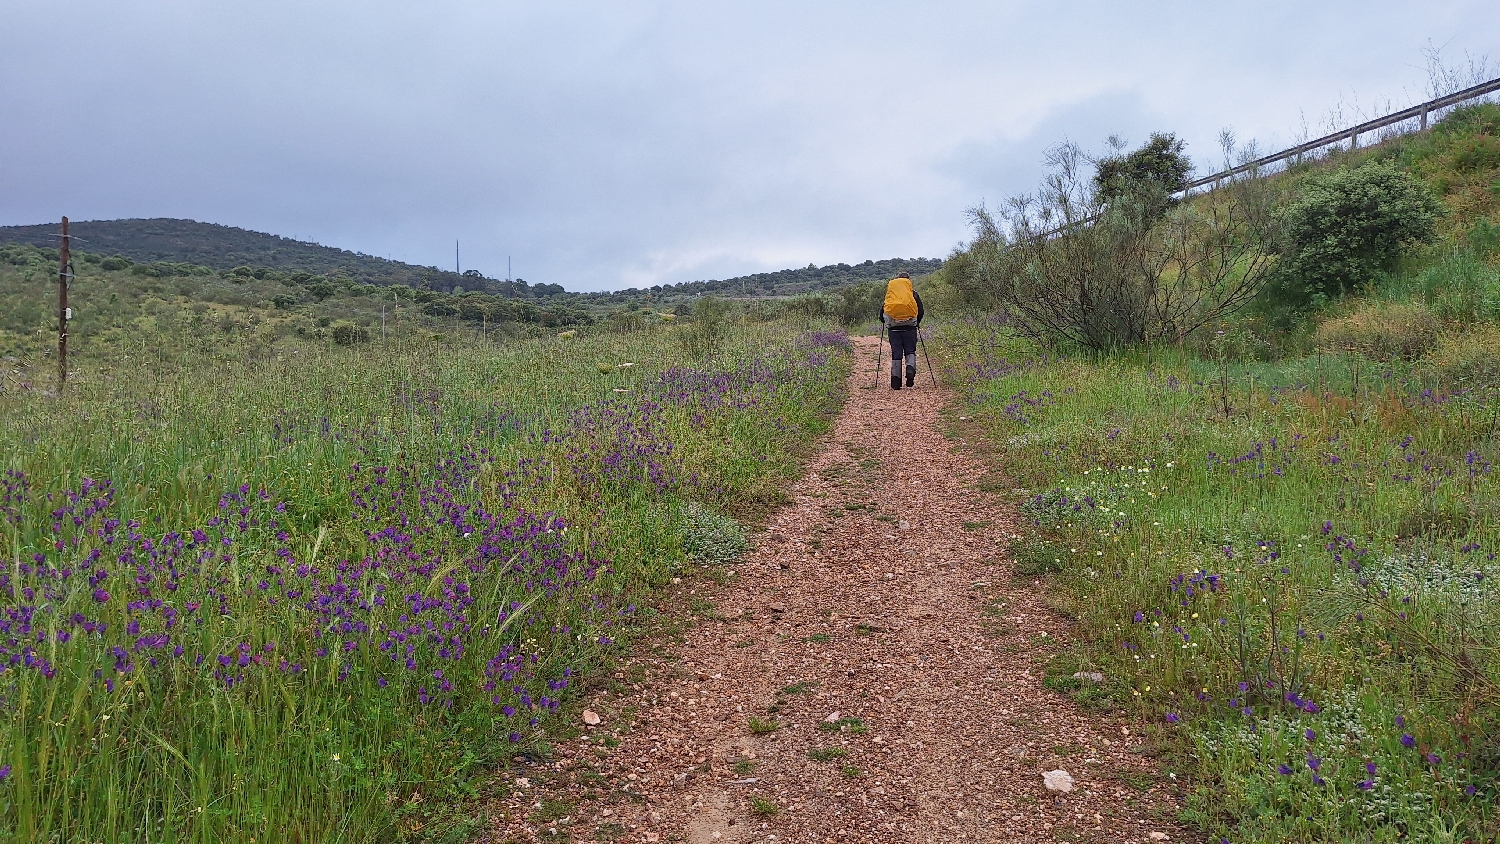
1348,226
1073,264
1158,168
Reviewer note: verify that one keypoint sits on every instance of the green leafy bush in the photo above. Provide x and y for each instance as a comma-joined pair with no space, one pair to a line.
348,334
1159,167
858,303
704,336
1348,226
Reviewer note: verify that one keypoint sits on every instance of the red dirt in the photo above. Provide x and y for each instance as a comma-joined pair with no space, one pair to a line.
917,629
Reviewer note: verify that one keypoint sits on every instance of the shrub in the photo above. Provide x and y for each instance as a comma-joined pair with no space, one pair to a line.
116,262
858,303
625,322
806,309
1160,166
1468,360
320,288
1383,331
347,334
1348,226
704,336
1074,267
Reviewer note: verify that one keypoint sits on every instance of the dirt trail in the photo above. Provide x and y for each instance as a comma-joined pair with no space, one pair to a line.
882,594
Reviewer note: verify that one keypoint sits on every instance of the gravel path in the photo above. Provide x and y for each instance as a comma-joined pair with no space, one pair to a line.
872,673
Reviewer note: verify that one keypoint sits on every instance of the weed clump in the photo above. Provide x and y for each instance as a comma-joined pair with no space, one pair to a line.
710,538
1382,331
1036,556
1468,360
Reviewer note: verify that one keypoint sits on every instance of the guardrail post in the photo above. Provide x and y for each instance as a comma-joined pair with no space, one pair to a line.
1424,117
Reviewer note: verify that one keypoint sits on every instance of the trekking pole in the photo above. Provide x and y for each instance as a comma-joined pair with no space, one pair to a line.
879,354
926,357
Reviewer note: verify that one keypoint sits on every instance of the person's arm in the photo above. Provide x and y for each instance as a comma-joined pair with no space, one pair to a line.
921,311
880,312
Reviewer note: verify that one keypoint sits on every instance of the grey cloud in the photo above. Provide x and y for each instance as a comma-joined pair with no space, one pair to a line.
609,144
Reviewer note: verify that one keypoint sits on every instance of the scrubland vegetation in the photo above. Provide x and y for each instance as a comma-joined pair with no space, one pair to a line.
1273,515
262,583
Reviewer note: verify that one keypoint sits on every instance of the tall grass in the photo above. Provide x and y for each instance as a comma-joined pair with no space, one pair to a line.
1290,567
315,596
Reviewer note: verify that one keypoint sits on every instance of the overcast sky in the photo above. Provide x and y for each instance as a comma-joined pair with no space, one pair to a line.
615,144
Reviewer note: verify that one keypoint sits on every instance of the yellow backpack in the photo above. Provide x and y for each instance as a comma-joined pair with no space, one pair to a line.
900,303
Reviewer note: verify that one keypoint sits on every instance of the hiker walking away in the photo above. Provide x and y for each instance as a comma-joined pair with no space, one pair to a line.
902,315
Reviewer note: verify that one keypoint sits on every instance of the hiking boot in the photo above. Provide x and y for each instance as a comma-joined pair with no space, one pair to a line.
895,382
911,375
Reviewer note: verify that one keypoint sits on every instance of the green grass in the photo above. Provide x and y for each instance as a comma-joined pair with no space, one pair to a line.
762,726
1329,543
763,807
1284,557
307,726
853,725
826,754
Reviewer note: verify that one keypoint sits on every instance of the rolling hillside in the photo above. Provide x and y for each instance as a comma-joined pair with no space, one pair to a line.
172,241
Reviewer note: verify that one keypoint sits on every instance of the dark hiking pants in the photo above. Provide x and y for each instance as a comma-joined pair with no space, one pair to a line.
903,346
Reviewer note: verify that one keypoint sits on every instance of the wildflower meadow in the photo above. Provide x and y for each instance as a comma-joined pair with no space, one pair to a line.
1290,568
316,597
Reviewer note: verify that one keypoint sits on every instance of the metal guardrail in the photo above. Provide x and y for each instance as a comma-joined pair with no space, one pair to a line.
1352,134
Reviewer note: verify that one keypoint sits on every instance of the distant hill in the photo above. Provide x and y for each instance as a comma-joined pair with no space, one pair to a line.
809,279
206,244
167,240
172,241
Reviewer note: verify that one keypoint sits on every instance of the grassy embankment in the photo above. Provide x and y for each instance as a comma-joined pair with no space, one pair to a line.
1282,549
311,593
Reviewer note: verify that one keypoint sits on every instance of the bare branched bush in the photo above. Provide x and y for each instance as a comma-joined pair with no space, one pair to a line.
1074,267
